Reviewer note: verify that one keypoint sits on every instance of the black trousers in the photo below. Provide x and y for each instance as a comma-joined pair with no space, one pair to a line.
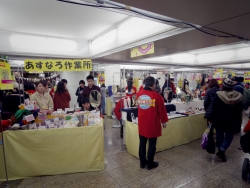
151,149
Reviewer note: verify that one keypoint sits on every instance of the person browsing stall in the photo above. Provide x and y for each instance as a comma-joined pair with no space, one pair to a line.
86,105
61,97
151,114
130,89
42,98
79,91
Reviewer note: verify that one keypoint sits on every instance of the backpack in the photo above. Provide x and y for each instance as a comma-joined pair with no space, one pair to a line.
245,96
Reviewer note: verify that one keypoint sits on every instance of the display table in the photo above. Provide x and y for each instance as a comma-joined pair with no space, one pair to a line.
194,104
179,131
52,151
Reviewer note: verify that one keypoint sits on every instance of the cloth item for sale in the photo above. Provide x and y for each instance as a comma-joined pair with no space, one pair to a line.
245,143
20,113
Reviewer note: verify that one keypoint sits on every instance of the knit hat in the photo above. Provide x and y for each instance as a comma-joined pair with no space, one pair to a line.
228,83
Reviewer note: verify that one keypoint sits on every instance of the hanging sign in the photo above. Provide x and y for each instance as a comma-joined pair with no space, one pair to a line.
247,77
142,50
101,78
218,75
5,76
58,65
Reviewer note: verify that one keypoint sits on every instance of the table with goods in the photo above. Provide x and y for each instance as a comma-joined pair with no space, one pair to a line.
62,142
184,126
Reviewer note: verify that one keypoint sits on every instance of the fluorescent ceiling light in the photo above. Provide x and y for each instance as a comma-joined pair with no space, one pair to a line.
40,44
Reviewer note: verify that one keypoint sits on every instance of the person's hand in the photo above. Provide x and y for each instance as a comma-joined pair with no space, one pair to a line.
164,125
97,109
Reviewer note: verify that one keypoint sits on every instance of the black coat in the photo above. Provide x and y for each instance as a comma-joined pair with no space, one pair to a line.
226,117
209,100
79,97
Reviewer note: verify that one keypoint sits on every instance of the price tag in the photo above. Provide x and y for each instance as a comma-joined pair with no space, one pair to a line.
29,118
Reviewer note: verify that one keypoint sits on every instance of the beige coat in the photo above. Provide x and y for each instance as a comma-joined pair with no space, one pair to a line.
43,102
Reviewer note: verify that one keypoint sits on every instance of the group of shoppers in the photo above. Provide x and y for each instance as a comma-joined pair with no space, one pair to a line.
224,111
59,98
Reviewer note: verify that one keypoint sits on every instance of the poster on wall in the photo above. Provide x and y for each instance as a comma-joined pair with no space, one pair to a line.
5,76
101,78
142,50
247,77
57,65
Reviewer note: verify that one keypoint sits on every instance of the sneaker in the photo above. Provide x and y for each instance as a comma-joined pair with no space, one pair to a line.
221,155
152,166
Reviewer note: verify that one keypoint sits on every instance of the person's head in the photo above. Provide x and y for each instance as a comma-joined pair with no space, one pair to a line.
103,85
60,88
240,79
64,81
81,83
86,103
90,80
150,82
48,82
228,85
213,83
172,80
40,87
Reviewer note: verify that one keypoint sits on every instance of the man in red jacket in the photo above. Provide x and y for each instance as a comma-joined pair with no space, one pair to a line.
151,113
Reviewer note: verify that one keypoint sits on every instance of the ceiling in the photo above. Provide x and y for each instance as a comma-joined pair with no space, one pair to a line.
230,16
54,18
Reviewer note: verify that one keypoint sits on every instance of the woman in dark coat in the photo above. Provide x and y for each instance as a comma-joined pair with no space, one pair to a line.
79,91
213,87
226,116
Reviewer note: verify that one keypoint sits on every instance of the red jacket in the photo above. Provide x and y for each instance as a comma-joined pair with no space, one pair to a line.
173,88
141,88
132,92
118,107
61,101
151,113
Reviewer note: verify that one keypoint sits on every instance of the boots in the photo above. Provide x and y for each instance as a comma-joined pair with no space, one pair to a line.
221,155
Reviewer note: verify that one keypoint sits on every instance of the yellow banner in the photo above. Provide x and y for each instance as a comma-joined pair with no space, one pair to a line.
218,75
136,83
247,77
101,78
143,50
5,76
58,65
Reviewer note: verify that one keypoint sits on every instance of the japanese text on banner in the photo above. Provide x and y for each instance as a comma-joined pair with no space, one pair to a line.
58,65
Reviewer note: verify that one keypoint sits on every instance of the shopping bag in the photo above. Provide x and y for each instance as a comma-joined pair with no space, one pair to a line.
210,148
204,139
245,142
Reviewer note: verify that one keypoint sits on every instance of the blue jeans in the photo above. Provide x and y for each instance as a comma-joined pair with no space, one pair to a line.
223,139
103,105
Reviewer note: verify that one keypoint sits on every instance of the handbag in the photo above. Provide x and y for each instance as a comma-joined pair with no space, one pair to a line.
204,139
247,127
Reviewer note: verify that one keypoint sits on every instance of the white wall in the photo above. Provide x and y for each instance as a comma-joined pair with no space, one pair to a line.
112,75
73,82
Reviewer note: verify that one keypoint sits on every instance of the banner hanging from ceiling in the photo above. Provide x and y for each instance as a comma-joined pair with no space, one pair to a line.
247,77
142,50
57,65
218,75
101,78
5,76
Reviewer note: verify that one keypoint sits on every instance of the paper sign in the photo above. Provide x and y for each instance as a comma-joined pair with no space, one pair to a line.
58,65
247,77
142,50
5,76
29,118
30,107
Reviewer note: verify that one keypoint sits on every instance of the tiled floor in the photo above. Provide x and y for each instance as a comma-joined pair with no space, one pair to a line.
185,166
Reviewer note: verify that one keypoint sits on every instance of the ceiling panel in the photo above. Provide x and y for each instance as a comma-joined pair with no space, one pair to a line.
54,18
196,11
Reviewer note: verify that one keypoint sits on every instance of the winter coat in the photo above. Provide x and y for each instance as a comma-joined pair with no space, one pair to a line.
78,93
208,100
226,111
239,87
151,113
